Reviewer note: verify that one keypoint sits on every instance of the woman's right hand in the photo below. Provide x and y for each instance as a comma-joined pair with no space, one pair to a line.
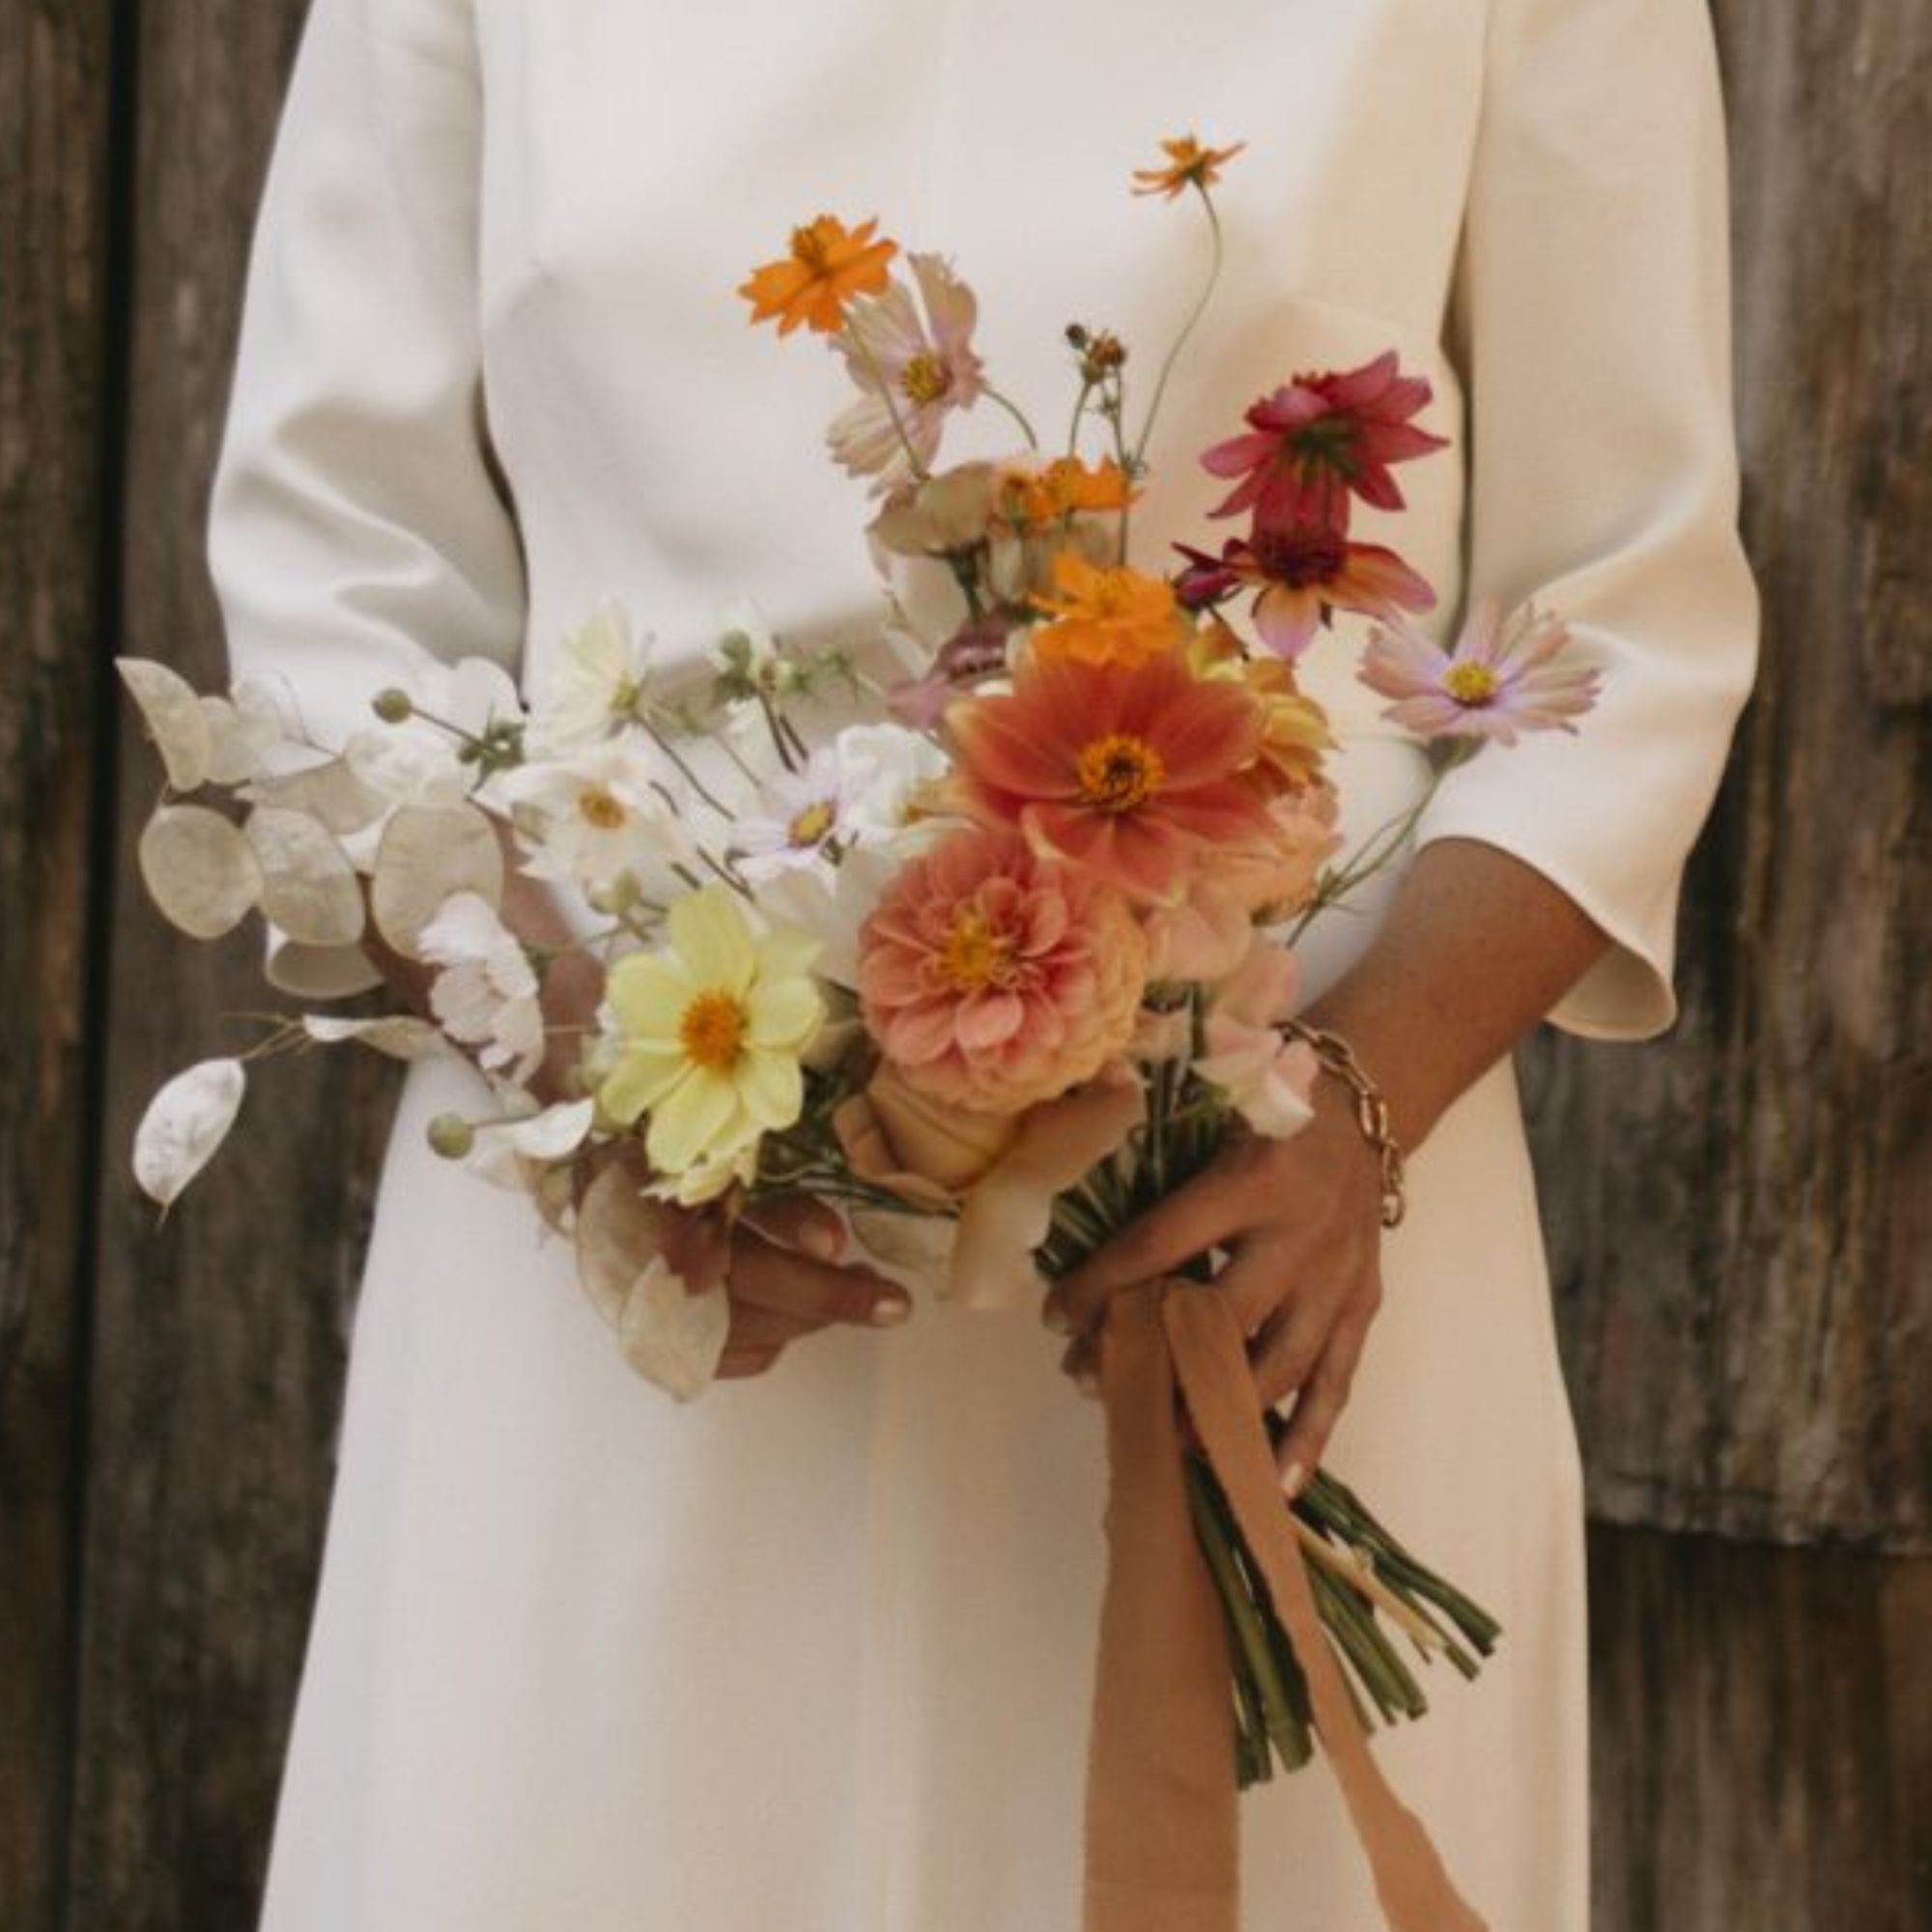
788,1278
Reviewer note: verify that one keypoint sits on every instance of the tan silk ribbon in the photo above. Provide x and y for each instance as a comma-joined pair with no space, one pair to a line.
1162,1823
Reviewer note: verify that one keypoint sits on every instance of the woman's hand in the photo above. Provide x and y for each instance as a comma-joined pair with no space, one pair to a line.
788,1278
1301,1220
1438,998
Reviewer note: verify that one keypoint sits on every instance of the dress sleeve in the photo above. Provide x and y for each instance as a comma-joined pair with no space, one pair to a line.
1590,320
357,526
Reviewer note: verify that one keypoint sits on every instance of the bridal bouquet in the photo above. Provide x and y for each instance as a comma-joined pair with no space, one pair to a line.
994,968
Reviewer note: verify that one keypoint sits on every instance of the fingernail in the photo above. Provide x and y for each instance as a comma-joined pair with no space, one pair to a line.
822,1241
1292,1479
1086,1383
1054,1313
890,1310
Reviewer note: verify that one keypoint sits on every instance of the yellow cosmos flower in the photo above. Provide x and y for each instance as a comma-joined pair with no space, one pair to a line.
713,1028
1296,732
827,264
1189,165
1107,616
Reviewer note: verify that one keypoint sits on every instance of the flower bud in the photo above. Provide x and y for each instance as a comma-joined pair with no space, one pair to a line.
393,706
616,898
451,1136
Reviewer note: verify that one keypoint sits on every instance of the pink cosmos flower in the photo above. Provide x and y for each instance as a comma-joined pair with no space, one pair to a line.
1318,438
1498,680
1303,573
1130,773
928,363
1270,1081
994,978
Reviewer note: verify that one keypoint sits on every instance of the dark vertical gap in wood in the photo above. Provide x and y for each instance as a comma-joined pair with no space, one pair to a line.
119,246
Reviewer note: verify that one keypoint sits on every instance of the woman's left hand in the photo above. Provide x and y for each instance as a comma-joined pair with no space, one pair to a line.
1301,1220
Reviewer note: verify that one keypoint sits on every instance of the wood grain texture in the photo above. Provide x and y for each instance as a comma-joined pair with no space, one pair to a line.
1762,1736
1741,1217
56,430
220,1339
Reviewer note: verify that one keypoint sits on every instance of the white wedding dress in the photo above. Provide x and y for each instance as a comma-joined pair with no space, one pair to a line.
815,1653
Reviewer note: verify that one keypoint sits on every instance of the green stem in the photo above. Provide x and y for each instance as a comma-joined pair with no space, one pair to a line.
1246,1626
1013,409
1188,328
855,337
691,778
1079,411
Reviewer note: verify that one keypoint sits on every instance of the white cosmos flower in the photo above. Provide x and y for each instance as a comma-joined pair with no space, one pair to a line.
857,790
486,992
597,683
419,761
598,816
882,766
804,815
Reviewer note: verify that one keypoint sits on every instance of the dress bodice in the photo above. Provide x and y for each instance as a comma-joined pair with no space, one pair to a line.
639,159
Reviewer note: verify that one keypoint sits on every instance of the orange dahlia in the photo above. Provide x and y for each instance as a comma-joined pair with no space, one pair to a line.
1129,771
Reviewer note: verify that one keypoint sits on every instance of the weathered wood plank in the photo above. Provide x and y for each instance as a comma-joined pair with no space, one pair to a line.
55,99
1762,1745
1741,1219
221,1338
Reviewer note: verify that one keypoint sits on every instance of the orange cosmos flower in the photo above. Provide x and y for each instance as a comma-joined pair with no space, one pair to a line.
1068,486
1107,617
827,266
1189,165
1133,774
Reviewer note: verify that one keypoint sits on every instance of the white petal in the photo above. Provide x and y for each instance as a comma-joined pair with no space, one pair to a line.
429,853
242,730
185,1124
200,870
400,1036
465,928
329,793
555,1134
406,765
619,1233
309,889
174,718
672,1337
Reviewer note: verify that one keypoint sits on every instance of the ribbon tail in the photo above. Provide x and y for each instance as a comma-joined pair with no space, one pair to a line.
1162,1816
1411,1882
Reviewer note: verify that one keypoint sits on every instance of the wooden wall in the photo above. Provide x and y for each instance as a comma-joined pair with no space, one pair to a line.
1738,1217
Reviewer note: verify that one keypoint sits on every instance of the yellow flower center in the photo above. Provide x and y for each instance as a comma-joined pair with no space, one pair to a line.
1473,685
601,808
976,957
1120,773
810,826
926,378
712,1031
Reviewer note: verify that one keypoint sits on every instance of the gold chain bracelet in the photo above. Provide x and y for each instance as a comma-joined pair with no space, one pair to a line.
1372,1114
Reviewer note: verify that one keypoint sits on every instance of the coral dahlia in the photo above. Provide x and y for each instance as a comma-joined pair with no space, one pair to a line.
994,978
